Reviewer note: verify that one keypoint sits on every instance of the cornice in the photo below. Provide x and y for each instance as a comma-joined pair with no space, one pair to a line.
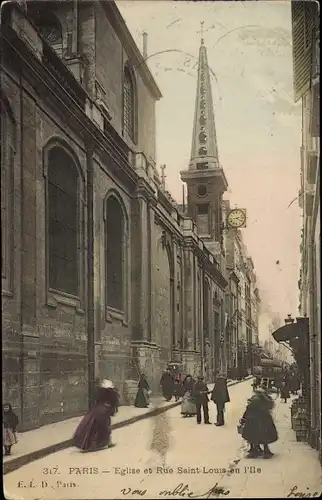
145,191
50,90
204,262
167,224
165,202
130,46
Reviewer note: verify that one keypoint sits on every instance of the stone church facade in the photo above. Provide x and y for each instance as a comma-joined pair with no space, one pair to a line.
102,274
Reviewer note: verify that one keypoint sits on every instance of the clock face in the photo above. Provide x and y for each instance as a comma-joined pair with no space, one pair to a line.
236,218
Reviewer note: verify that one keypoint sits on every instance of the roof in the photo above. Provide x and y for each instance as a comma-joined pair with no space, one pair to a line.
118,23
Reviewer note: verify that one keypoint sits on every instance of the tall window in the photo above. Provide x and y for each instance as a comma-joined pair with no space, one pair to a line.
129,112
63,221
202,218
7,129
115,253
51,29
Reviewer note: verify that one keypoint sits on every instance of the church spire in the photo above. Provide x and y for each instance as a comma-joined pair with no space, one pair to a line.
204,148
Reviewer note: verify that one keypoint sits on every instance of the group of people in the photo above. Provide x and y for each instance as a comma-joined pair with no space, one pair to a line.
94,431
290,384
195,395
256,425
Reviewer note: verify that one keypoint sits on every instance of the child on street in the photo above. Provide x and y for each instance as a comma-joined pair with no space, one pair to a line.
10,422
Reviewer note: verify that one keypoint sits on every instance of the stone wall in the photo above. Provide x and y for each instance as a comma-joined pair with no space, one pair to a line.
111,57
46,334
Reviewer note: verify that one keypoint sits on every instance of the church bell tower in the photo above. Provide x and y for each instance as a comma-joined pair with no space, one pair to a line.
205,179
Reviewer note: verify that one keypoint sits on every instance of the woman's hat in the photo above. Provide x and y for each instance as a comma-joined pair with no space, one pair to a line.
107,384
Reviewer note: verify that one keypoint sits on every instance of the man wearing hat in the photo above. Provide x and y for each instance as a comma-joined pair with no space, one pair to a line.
200,393
220,396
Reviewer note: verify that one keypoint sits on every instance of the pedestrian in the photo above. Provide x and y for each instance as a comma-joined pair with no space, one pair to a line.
284,391
188,405
10,422
167,384
294,384
220,397
177,390
200,394
94,431
257,425
142,399
107,383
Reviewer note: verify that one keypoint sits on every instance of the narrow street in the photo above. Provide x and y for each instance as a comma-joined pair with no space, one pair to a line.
201,457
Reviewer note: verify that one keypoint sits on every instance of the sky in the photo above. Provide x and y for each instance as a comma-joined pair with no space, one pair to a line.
258,124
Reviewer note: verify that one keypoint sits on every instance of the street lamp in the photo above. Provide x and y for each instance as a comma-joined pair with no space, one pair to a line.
289,319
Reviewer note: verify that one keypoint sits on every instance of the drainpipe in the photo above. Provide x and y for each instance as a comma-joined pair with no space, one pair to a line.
21,346
90,277
312,326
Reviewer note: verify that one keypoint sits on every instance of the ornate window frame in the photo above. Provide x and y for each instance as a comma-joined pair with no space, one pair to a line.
53,296
111,312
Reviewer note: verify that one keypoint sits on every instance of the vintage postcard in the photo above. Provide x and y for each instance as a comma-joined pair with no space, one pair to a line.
160,227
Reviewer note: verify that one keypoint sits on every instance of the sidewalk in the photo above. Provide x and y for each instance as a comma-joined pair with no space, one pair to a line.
294,470
51,438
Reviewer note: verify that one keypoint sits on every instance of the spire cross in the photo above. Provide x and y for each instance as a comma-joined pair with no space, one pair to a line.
201,30
163,176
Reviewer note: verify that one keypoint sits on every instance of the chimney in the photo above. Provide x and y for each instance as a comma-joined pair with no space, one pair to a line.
145,44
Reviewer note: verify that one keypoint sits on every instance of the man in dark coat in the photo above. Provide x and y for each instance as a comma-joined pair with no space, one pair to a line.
167,384
220,397
200,394
284,390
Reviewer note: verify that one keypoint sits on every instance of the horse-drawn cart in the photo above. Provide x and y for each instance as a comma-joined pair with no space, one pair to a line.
269,374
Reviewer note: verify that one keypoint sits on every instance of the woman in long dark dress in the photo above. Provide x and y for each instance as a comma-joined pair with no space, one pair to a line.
94,431
142,399
258,427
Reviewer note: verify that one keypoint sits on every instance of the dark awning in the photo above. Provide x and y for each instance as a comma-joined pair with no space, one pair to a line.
291,331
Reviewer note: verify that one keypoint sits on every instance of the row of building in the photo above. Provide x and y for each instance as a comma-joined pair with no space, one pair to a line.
306,51
304,335
103,274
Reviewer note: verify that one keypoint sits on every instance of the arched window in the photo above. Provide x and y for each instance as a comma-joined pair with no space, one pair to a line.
51,29
63,222
115,254
129,105
7,129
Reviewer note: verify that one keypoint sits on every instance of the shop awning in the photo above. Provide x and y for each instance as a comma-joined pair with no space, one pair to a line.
291,331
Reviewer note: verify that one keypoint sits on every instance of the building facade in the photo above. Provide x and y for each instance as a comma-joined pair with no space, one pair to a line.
256,311
243,299
306,69
101,274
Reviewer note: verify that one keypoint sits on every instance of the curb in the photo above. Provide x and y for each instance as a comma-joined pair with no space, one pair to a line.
19,462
